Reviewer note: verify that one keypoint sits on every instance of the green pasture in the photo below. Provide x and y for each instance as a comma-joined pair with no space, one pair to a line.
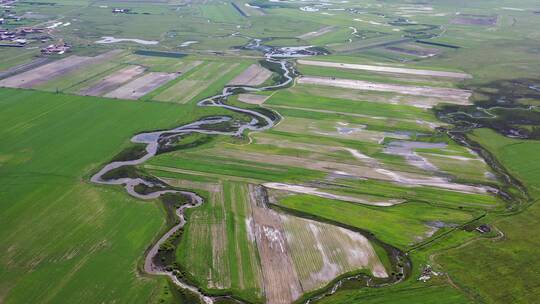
64,238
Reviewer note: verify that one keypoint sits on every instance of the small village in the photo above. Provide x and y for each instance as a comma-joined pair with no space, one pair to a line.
22,36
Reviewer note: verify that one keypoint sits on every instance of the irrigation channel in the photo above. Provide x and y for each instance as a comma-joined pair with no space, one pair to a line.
158,141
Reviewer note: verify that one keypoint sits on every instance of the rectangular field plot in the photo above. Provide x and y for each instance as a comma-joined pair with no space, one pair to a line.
304,99
163,64
205,80
42,75
252,98
372,96
386,69
449,95
113,81
142,85
254,75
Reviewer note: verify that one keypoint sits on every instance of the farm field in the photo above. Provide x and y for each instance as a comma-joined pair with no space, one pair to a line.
83,228
516,245
331,154
270,152
205,80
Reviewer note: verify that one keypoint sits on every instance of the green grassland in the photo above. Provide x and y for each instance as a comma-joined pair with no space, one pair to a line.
12,57
309,70
404,224
509,256
65,239
302,100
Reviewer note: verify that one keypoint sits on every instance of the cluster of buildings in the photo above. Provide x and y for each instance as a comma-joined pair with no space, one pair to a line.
58,48
20,36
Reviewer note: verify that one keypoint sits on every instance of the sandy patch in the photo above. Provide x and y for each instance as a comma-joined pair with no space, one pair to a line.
54,70
254,75
456,96
113,81
141,86
253,98
387,69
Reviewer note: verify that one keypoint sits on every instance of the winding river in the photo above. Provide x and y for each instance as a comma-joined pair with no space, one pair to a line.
155,140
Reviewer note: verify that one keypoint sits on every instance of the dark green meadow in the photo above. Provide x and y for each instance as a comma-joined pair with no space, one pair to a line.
65,240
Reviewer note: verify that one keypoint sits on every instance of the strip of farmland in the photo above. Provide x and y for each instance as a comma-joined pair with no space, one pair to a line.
196,82
142,86
386,69
317,192
254,75
113,81
54,70
455,96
